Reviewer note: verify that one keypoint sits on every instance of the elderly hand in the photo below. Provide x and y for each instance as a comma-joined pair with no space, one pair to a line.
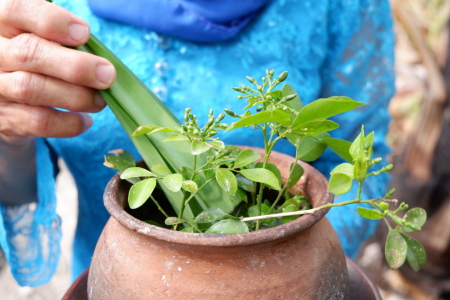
38,74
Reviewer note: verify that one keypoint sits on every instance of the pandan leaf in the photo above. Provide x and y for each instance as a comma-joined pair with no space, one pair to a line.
228,226
263,176
135,105
226,180
140,192
246,157
415,255
395,249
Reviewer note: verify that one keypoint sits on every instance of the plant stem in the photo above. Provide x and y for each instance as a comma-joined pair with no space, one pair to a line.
305,212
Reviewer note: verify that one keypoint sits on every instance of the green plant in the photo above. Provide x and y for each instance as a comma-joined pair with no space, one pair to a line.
245,176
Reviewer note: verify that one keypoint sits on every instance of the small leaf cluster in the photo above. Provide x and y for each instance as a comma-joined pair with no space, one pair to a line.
399,247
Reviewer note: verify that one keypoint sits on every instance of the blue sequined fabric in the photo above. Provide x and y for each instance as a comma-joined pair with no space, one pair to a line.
329,47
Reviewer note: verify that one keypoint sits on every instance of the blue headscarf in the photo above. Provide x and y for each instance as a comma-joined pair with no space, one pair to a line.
194,20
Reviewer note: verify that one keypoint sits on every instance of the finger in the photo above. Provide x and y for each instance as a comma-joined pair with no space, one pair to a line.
39,90
28,52
45,19
39,121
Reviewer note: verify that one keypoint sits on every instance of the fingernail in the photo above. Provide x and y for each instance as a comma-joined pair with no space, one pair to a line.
87,122
98,100
78,32
105,73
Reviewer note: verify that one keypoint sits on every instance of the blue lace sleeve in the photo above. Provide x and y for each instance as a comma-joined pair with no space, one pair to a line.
31,233
360,65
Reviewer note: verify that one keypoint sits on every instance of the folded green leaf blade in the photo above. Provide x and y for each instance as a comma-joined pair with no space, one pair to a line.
135,105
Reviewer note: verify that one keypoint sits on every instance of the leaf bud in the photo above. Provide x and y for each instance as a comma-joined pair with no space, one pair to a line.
290,97
282,77
389,193
230,113
210,121
251,79
220,117
388,168
383,205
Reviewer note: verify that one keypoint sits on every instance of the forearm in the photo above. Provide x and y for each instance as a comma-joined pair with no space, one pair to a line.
18,172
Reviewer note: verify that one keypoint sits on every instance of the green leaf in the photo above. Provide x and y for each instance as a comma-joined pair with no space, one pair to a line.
275,94
120,161
199,147
289,208
295,103
341,179
415,255
324,108
296,172
361,147
340,147
395,249
136,172
263,176
276,116
173,221
246,157
140,192
161,170
173,182
309,149
216,144
150,129
175,138
210,215
189,186
416,217
314,127
228,226
226,180
273,168
370,213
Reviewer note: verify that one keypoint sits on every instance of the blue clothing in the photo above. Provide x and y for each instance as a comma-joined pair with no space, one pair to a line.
329,47
195,20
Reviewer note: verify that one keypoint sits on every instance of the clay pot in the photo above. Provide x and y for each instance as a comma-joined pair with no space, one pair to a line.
302,259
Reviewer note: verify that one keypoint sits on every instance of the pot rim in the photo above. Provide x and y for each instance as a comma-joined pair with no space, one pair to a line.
115,193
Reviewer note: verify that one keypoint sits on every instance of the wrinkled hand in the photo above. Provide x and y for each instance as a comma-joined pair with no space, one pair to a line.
38,74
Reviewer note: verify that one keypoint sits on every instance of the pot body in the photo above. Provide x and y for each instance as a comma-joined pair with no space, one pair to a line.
302,259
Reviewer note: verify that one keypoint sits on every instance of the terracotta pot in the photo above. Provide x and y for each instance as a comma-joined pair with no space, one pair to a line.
302,259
